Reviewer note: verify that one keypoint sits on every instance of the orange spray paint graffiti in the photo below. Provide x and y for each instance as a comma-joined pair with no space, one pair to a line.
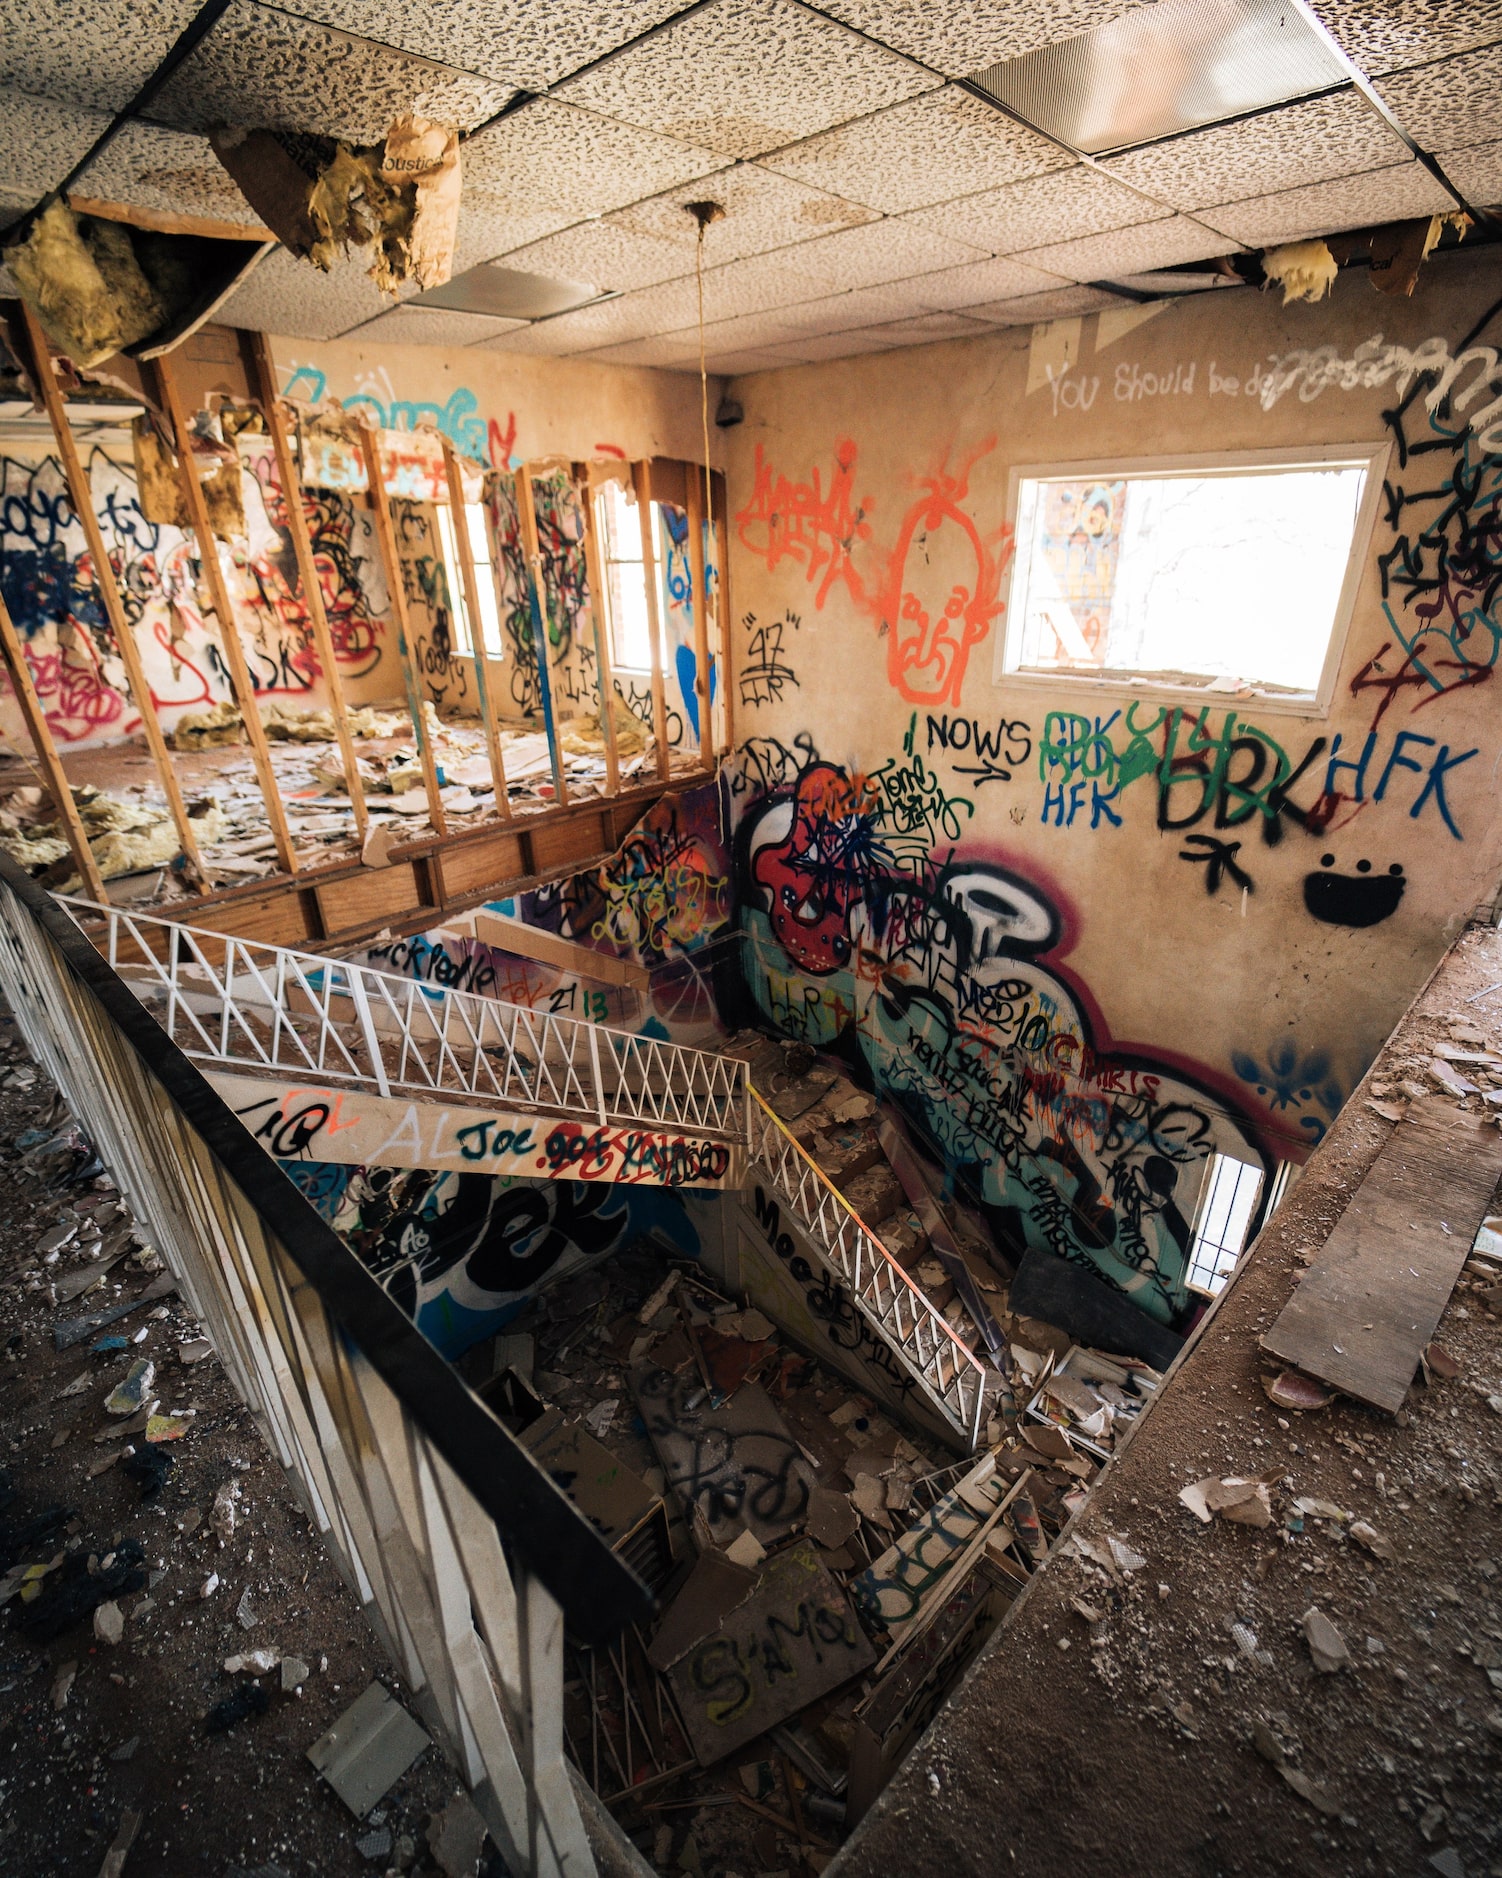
802,523
932,623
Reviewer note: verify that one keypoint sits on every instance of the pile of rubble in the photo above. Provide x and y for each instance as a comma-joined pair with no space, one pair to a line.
824,1575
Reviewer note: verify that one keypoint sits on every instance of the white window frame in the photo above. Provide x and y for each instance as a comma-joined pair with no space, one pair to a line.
608,561
469,643
1372,457
1204,1272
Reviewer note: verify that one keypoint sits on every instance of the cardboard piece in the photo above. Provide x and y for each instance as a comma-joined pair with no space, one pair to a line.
737,1464
713,1589
793,1640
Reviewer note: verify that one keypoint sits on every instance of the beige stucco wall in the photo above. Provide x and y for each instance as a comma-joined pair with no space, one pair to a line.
1213,982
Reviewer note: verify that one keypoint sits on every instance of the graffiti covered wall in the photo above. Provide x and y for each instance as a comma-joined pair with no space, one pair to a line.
1082,934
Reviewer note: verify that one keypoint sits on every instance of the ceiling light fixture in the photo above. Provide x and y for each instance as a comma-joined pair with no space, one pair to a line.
507,293
1164,69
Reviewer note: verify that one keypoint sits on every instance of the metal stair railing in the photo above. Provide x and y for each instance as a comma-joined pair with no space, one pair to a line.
233,1001
894,1304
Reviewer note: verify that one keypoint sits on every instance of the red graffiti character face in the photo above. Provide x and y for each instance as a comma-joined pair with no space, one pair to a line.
932,622
819,870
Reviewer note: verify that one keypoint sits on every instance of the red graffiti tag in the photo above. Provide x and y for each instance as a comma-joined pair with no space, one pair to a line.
803,523
929,635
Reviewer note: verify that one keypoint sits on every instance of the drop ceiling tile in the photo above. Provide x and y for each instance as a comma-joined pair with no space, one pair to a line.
733,335
433,326
488,228
843,312
814,350
532,43
1061,303
738,364
40,141
744,76
1309,142
928,328
659,351
539,341
552,156
1385,35
259,66
294,299
611,322
1476,172
762,211
99,56
880,252
1451,103
753,286
1060,207
608,256
959,40
1385,195
1130,250
984,280
147,166
927,150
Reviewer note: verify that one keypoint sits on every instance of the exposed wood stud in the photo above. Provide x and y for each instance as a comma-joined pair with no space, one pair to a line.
537,600
82,497
724,633
52,766
471,580
699,602
391,562
641,475
263,378
229,630
594,569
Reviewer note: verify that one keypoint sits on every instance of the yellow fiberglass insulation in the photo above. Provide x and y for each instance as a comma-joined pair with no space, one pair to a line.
1305,270
81,278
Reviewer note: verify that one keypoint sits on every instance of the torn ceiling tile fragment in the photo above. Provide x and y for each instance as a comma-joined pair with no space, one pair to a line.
321,197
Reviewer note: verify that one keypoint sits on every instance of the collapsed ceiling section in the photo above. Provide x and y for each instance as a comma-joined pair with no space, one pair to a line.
890,172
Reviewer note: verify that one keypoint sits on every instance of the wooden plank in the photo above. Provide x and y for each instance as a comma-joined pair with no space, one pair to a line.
82,497
476,626
379,893
1369,1303
723,614
52,766
263,377
641,474
548,948
526,516
554,844
391,562
229,630
484,864
699,603
169,221
594,570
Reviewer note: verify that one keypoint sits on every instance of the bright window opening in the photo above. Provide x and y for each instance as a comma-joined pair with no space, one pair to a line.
1215,576
1228,1200
479,547
626,578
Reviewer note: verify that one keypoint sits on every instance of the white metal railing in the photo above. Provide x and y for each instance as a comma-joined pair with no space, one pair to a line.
228,1001
878,1284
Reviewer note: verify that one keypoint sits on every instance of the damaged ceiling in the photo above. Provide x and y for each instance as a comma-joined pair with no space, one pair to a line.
875,195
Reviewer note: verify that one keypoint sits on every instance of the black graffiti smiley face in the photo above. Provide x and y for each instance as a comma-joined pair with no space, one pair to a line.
1360,899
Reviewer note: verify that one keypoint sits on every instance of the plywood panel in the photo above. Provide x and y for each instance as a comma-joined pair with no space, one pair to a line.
480,865
555,844
1371,1300
368,898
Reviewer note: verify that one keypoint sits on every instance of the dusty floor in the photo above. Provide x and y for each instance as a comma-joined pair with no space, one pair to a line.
131,1732
1120,1723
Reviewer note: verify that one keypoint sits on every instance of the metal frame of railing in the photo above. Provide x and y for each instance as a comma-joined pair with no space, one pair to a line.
233,1001
466,1555
878,1284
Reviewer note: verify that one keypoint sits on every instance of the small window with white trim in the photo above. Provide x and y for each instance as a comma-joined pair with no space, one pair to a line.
1234,574
1227,1204
619,515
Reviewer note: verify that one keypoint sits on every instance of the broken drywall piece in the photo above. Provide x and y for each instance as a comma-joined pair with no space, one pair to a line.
1305,270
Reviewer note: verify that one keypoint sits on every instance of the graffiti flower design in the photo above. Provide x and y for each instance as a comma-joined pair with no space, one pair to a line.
1292,1079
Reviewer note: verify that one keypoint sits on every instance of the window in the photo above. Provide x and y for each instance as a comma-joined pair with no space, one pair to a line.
1215,575
479,547
1227,1201
626,578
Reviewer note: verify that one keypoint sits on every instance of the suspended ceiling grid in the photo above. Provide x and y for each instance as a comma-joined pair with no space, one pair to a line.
871,201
